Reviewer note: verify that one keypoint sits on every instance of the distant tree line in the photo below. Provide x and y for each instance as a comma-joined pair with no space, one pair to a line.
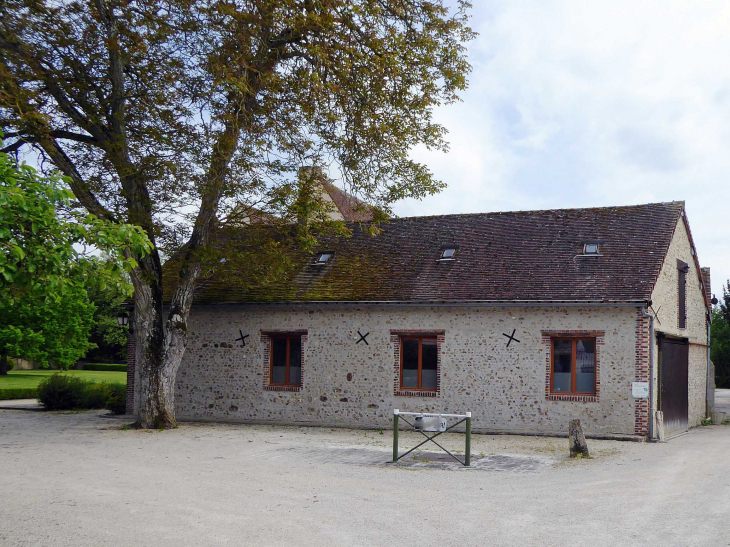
720,339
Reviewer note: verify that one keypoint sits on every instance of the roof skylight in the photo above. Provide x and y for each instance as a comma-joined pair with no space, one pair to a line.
323,258
590,249
448,253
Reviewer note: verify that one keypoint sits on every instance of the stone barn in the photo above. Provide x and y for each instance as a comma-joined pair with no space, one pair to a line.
526,319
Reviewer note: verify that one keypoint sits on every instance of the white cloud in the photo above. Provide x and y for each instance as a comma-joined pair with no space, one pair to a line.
596,103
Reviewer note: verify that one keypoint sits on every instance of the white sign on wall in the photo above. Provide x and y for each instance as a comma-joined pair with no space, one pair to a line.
640,390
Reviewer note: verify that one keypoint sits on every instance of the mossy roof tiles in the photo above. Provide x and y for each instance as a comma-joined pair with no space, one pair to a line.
515,256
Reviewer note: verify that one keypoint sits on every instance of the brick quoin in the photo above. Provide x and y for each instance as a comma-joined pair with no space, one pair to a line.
131,365
641,406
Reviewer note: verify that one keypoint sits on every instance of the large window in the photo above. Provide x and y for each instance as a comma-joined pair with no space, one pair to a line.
286,360
573,366
419,363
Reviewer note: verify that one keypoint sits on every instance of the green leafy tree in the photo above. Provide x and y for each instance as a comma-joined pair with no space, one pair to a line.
45,313
720,339
724,305
54,331
174,115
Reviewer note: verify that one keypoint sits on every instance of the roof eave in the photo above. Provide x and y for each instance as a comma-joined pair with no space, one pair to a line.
436,303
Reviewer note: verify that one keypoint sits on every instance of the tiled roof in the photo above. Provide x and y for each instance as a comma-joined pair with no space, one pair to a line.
517,256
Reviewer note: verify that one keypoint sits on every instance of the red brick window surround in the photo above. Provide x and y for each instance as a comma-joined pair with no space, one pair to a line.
416,353
572,365
283,359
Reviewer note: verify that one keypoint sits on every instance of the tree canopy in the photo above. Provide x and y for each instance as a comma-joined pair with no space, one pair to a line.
173,115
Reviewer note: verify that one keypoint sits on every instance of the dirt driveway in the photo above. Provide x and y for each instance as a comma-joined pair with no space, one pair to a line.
79,479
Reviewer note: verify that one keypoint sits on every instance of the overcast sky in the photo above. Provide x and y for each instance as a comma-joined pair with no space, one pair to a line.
584,104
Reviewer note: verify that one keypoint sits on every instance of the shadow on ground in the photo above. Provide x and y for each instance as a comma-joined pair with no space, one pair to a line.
417,460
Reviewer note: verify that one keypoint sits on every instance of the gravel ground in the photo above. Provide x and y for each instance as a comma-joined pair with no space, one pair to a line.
80,479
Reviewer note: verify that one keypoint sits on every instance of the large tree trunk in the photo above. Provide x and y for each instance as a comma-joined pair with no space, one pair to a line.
155,390
4,364
160,346
161,337
161,341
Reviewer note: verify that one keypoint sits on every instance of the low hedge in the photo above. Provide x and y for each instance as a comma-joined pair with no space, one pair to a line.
104,367
8,393
62,392
116,399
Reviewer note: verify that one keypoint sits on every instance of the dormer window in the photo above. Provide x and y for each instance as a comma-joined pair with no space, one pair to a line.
323,258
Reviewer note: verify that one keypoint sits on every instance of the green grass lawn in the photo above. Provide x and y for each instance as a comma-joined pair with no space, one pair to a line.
29,379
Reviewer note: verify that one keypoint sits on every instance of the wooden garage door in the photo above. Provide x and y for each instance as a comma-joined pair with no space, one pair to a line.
673,383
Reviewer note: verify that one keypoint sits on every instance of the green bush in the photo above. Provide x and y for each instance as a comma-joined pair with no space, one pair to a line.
93,396
116,399
104,367
8,393
62,392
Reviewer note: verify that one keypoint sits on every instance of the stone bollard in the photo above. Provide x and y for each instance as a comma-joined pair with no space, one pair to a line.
660,432
577,440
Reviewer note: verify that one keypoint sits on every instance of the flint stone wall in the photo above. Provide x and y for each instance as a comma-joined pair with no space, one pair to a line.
345,383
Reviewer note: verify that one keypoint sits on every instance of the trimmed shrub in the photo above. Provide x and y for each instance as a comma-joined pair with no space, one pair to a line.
94,396
8,393
116,399
61,392
104,367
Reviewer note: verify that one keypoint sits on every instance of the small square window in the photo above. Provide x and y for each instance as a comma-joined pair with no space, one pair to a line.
590,249
448,253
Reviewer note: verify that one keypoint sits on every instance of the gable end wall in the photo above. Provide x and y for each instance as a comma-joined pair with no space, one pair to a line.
665,300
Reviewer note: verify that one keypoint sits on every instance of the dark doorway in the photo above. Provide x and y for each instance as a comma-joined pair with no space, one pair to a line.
673,380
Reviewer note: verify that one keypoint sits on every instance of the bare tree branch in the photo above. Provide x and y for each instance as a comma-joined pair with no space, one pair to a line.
116,70
78,185
12,147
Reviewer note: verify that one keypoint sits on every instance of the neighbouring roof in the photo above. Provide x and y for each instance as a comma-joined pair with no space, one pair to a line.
516,256
351,208
348,208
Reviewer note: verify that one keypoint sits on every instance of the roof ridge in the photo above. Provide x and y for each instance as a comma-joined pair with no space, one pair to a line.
681,203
